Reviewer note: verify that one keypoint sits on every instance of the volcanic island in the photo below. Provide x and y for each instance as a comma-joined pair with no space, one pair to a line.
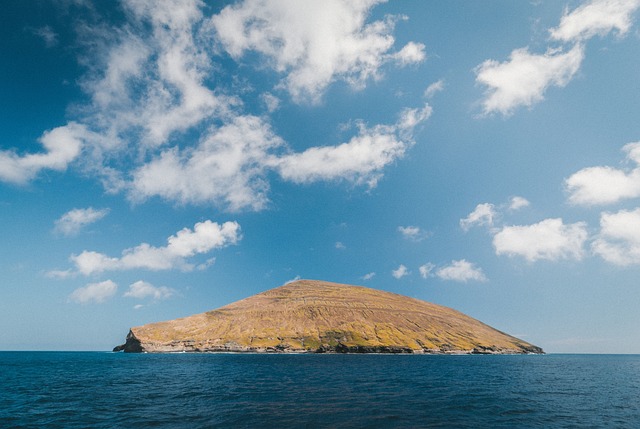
310,316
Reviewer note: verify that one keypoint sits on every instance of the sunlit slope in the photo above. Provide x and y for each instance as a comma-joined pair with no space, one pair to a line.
317,316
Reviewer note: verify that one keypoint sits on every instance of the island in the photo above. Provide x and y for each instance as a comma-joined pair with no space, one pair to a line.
311,316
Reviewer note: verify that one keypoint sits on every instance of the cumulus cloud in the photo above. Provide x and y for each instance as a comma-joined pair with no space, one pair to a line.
619,239
461,271
227,167
94,292
413,233
596,17
142,290
516,203
483,215
549,239
400,272
525,77
149,82
411,53
62,145
360,160
74,220
313,45
186,243
606,185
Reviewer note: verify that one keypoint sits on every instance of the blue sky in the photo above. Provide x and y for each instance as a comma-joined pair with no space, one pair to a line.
164,158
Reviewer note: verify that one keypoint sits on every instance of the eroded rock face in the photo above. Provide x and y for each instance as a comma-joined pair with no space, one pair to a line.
320,317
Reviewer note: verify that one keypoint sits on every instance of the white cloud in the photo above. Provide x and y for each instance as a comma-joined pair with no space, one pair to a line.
400,272
94,292
426,270
434,88
295,279
47,34
186,243
340,245
142,290
482,215
619,239
461,271
150,83
74,220
596,17
60,274
549,239
62,145
606,185
368,276
271,102
516,203
411,53
523,80
227,167
360,160
413,233
312,45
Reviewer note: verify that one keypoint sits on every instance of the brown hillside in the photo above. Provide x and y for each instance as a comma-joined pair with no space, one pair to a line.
317,316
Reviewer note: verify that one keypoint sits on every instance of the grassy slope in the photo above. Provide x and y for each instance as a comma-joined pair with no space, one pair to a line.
306,315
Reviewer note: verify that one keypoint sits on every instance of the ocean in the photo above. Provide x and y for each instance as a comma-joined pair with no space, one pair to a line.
116,390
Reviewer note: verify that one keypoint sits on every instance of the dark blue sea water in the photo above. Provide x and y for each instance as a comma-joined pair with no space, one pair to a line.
116,390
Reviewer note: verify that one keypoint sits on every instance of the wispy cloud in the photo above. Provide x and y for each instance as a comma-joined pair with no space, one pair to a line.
434,88
74,220
426,270
62,146
47,34
413,233
94,293
368,276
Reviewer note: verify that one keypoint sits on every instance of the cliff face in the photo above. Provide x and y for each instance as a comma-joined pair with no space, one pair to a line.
316,316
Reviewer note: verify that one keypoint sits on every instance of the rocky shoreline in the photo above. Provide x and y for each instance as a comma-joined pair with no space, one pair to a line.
134,345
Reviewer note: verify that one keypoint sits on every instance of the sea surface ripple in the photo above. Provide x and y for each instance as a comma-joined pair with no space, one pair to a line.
115,390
